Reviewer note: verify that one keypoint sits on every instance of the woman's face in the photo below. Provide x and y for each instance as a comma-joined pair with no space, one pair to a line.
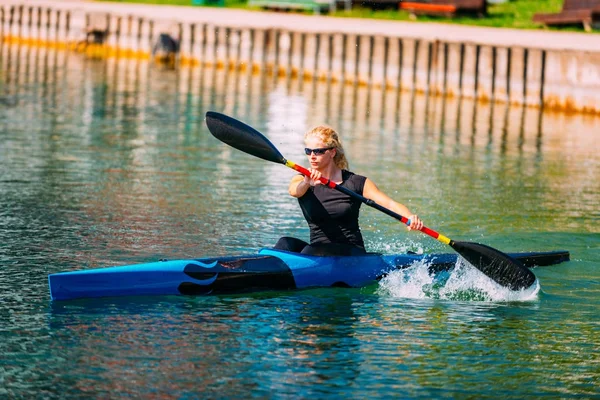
322,157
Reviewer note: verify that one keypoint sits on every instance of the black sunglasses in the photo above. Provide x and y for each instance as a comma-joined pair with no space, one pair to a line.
318,152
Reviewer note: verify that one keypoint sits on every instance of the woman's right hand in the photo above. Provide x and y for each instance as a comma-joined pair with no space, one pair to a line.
313,180
415,223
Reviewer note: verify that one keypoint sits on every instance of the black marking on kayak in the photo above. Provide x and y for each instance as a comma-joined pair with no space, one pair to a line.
340,284
193,289
236,275
200,275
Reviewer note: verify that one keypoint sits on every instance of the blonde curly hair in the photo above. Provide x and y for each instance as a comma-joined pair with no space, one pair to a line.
331,139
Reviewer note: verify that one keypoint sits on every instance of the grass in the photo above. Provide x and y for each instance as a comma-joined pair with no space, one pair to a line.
510,14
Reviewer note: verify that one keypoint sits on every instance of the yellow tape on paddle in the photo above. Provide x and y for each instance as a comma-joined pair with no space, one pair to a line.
443,239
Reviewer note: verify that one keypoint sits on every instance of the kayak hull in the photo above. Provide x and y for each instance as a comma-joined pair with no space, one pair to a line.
270,269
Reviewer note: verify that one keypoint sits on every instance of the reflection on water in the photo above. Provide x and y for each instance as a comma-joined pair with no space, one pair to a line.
109,162
125,92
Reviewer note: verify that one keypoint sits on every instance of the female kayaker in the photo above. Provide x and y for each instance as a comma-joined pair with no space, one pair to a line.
332,216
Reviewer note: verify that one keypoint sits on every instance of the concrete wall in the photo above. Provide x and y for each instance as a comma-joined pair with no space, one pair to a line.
567,80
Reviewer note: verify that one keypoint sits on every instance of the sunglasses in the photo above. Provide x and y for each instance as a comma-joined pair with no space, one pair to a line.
317,152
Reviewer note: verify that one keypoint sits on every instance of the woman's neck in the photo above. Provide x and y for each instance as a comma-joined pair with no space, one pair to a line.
333,172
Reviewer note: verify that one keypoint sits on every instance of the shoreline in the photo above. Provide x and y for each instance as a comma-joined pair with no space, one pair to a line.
551,70
510,37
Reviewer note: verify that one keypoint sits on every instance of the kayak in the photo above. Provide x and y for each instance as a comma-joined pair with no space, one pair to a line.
269,269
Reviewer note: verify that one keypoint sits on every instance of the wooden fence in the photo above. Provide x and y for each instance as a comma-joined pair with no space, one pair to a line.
561,80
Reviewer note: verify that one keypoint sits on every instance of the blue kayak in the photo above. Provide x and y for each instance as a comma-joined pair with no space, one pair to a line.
270,269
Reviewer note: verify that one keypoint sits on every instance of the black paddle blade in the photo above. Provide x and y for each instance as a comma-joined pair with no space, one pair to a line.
243,137
498,266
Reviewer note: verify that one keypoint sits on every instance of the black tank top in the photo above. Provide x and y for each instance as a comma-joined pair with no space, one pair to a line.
332,216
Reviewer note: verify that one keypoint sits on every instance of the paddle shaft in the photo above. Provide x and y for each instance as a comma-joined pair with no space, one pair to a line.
369,202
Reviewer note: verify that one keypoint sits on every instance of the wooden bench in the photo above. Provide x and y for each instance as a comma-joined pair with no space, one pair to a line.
585,13
445,7
317,6
218,3
378,4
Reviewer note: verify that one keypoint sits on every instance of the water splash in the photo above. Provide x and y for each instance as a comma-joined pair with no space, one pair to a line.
396,246
463,283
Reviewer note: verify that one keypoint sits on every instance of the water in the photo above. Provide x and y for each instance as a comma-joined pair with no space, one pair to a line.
110,163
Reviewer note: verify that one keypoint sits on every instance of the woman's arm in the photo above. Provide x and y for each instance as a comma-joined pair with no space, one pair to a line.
300,184
371,191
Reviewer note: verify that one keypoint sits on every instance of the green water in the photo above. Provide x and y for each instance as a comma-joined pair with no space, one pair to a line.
110,163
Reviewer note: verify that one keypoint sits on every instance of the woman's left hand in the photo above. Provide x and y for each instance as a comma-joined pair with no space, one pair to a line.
415,223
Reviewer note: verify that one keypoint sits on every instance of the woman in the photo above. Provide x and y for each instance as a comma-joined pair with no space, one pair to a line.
332,216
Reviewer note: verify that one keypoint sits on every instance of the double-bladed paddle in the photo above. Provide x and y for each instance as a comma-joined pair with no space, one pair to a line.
498,266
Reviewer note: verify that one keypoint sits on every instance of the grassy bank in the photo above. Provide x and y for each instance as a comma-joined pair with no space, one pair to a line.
511,14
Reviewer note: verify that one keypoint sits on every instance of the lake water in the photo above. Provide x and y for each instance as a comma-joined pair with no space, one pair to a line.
109,162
